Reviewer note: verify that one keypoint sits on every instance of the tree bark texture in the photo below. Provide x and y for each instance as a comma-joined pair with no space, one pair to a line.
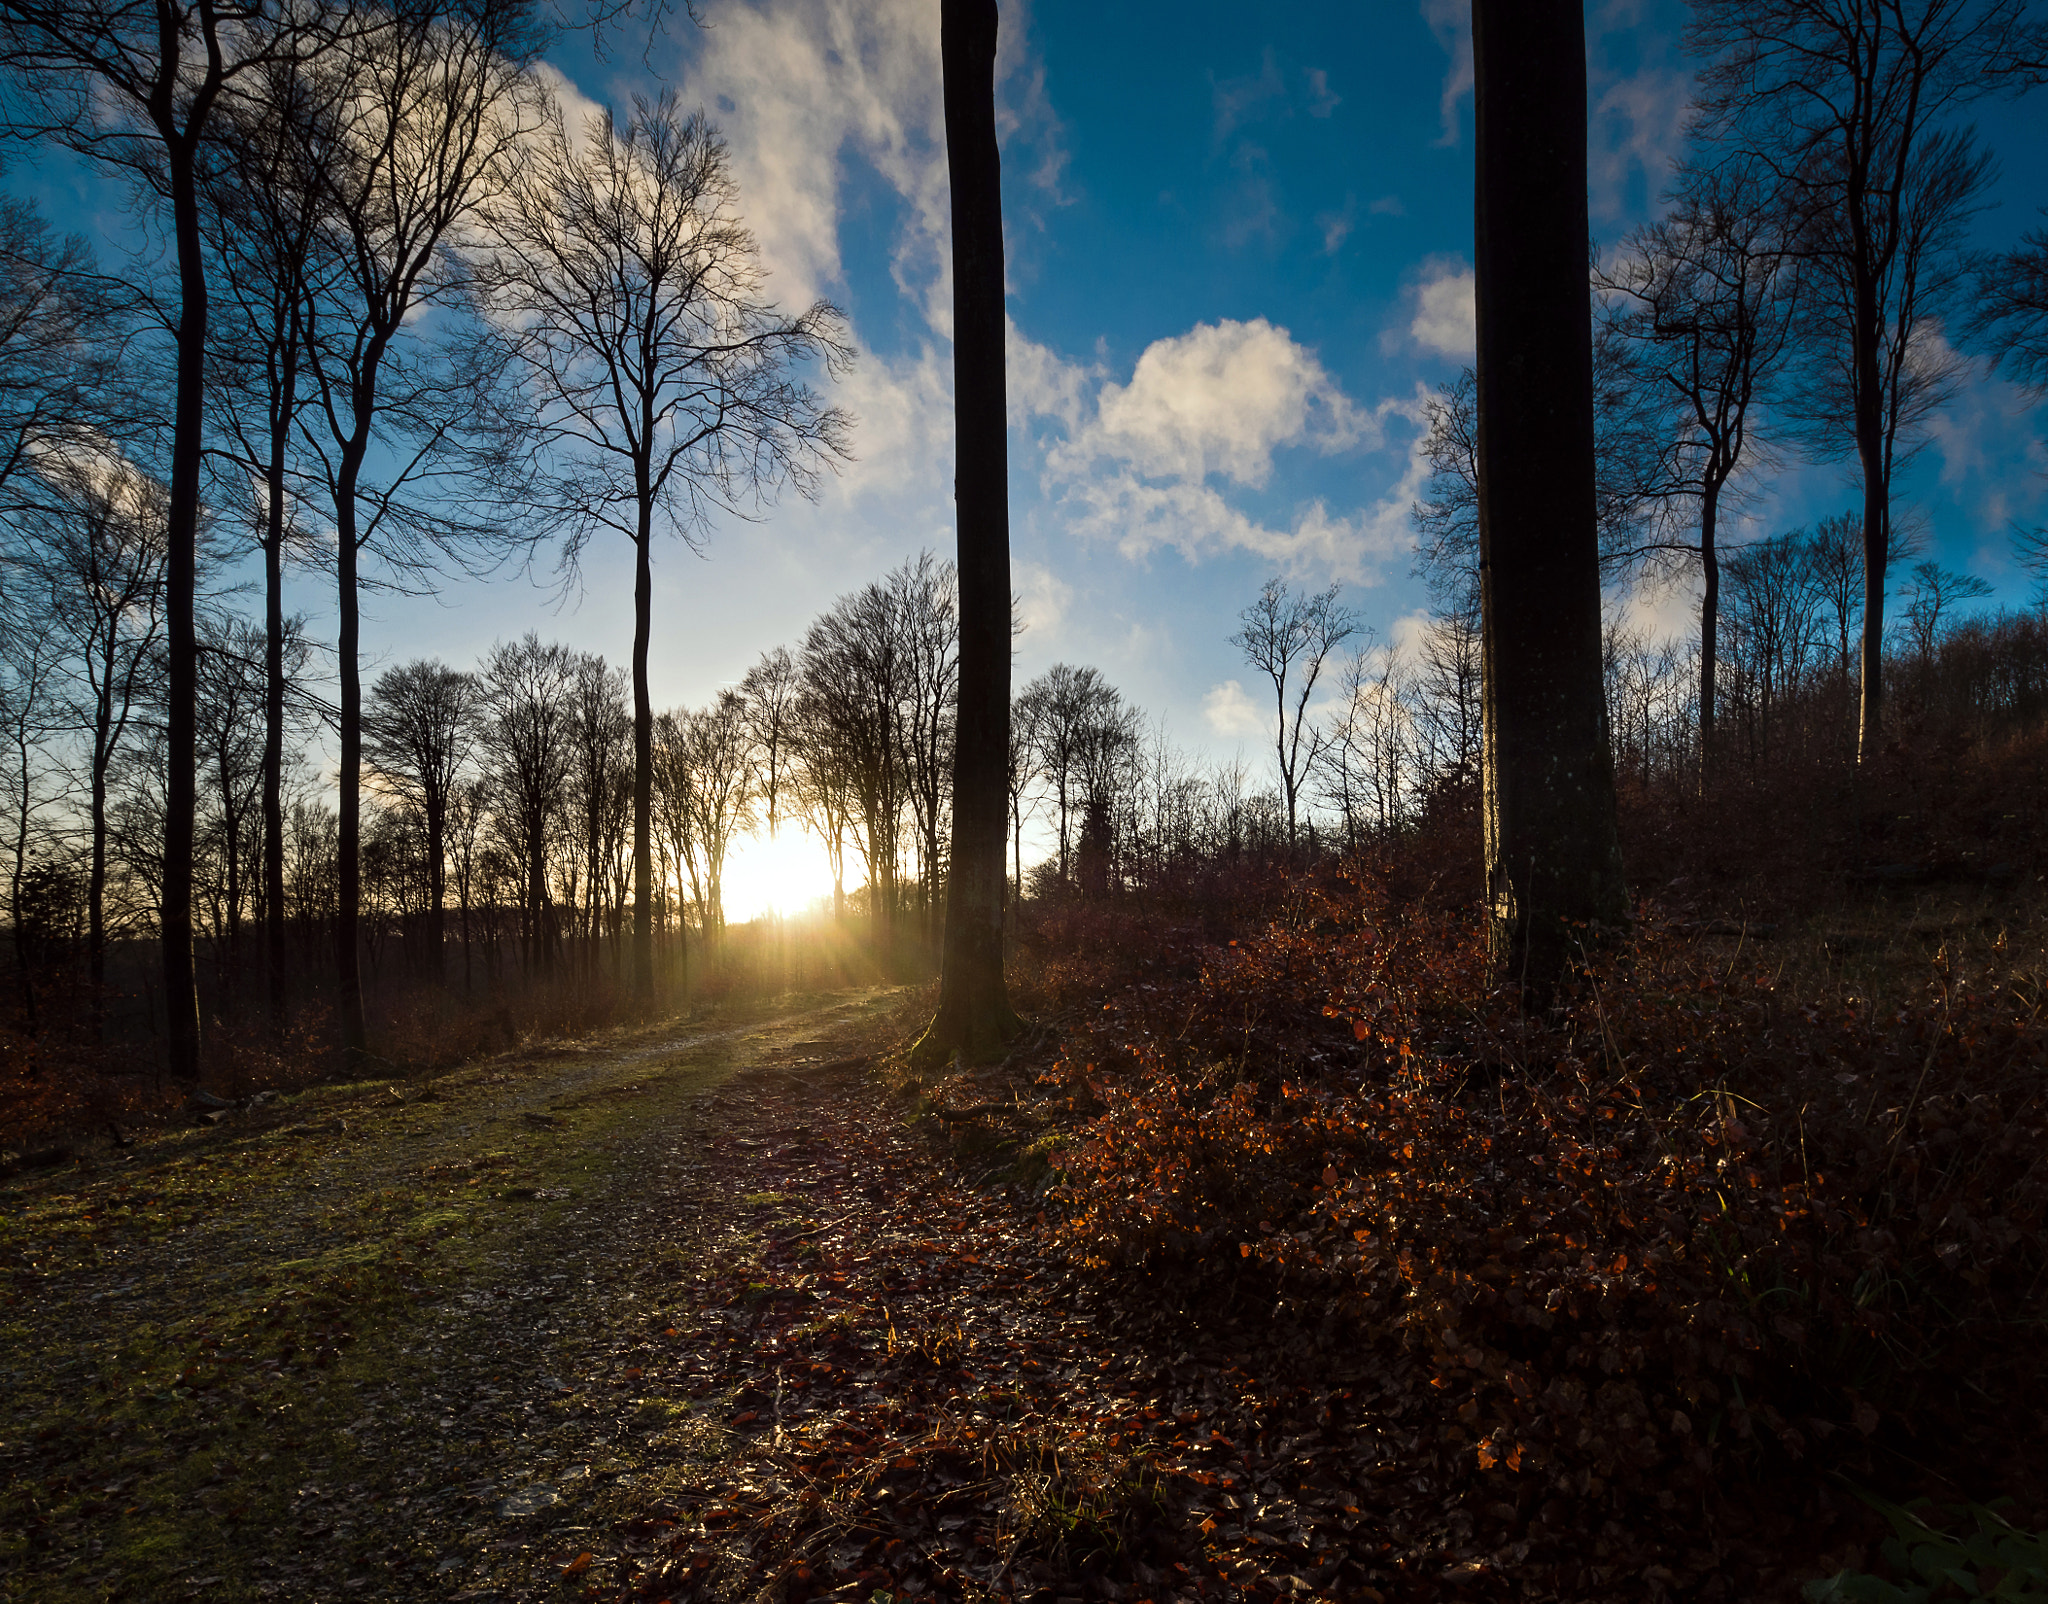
1553,854
974,1015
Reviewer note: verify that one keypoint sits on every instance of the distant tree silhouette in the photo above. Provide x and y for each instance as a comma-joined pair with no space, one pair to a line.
1288,635
419,732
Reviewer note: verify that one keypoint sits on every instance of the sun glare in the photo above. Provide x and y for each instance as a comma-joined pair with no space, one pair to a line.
786,874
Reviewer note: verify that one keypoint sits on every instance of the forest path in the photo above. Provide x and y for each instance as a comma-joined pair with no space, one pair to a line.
369,1341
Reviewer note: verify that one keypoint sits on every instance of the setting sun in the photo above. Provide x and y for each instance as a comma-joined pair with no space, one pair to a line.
785,874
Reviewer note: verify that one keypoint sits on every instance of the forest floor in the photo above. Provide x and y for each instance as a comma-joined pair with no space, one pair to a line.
707,1311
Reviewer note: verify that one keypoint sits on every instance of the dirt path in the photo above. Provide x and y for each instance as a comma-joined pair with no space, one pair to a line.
365,1342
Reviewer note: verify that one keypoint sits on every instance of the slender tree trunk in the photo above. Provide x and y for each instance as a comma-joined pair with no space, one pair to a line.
643,761
1553,855
437,891
1876,554
974,1015
276,962
1710,621
96,877
181,781
348,915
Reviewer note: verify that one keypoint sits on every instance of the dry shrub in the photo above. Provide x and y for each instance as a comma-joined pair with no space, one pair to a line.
1686,1231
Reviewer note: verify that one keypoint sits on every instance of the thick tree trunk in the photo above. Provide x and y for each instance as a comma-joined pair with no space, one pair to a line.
1553,855
643,765
181,781
974,1015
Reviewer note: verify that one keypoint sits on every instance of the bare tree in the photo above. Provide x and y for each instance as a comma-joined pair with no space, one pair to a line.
102,568
666,377
419,127
1286,636
854,692
1364,767
419,733
1771,613
65,331
31,713
262,215
1709,306
1064,706
602,734
527,739
1844,102
720,795
2011,315
923,598
135,84
1553,855
771,691
1931,595
1449,700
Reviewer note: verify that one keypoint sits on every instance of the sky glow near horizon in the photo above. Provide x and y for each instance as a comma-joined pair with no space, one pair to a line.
1239,253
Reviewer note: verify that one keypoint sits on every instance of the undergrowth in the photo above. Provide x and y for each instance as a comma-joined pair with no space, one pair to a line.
1693,1236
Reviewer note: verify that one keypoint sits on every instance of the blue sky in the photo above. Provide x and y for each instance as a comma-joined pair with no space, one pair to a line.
1240,242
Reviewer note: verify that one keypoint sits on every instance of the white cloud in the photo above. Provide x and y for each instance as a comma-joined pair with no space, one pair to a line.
1229,711
1221,399
1040,383
1144,465
1044,597
1442,307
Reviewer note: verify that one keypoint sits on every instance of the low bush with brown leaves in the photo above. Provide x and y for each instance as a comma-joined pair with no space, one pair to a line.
1684,1239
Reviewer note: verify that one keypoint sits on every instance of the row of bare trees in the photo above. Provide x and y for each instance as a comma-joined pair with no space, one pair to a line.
1807,292
418,320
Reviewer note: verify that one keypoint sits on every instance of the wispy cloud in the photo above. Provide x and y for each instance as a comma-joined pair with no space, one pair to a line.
1451,22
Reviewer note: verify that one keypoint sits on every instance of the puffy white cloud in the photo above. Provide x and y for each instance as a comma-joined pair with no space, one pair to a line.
1145,465
1229,711
1221,399
1442,307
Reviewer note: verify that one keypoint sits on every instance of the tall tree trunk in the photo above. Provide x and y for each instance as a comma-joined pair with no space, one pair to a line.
348,915
1876,554
974,1015
276,964
437,891
643,764
1710,621
1553,854
181,781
